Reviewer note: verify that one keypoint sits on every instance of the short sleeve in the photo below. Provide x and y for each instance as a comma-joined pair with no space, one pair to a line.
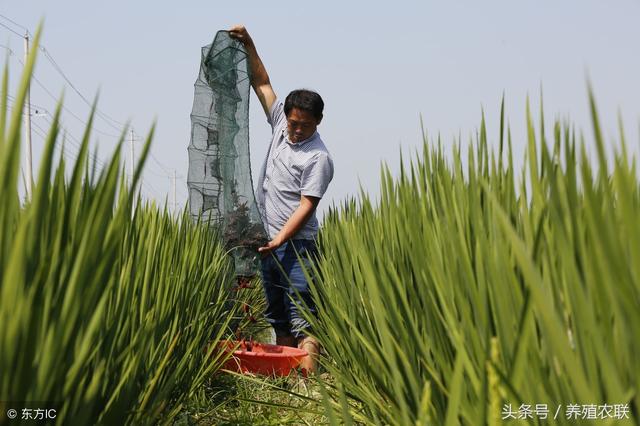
317,175
276,114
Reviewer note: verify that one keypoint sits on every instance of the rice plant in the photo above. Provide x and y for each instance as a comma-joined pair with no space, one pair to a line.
108,315
479,294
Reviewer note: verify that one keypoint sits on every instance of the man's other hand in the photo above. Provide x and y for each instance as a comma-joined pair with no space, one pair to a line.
239,32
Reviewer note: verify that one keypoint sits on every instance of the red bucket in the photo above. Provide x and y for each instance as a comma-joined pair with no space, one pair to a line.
262,358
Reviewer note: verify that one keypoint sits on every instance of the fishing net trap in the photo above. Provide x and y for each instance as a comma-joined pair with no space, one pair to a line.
219,177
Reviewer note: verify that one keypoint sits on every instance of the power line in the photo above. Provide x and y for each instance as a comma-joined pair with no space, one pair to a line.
150,187
38,110
7,48
15,23
39,132
48,92
137,137
167,172
34,106
15,32
104,116
43,134
107,119
153,157
73,139
74,142
97,111
69,139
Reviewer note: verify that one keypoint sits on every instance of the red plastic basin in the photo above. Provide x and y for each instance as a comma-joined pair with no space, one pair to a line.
262,358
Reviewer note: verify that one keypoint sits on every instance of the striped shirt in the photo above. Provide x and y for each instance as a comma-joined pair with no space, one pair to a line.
289,171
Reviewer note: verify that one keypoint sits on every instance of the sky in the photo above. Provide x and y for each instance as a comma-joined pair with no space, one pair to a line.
381,68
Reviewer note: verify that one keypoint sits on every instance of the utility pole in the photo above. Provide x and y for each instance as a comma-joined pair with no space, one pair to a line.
174,193
27,127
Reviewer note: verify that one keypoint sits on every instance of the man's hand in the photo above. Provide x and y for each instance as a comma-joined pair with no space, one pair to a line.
240,33
269,247
293,225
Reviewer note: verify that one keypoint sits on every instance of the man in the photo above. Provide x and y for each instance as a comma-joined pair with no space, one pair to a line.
294,177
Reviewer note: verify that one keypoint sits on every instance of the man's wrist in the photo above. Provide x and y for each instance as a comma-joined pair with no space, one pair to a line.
277,241
248,43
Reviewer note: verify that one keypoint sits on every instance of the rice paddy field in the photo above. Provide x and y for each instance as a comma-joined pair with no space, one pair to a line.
470,292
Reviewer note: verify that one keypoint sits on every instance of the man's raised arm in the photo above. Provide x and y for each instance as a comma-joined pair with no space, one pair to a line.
259,77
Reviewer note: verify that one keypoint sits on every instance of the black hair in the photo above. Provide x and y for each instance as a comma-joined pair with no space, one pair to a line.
306,100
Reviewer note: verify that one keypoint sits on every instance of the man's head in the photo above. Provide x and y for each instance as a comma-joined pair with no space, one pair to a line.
303,109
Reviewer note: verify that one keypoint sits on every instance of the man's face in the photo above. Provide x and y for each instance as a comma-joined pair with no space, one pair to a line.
301,125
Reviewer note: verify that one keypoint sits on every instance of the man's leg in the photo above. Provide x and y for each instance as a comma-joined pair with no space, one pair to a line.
286,341
309,363
276,296
300,298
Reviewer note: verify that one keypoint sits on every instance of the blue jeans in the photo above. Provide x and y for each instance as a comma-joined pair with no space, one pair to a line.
286,287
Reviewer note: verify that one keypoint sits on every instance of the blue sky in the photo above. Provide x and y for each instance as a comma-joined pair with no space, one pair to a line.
379,67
